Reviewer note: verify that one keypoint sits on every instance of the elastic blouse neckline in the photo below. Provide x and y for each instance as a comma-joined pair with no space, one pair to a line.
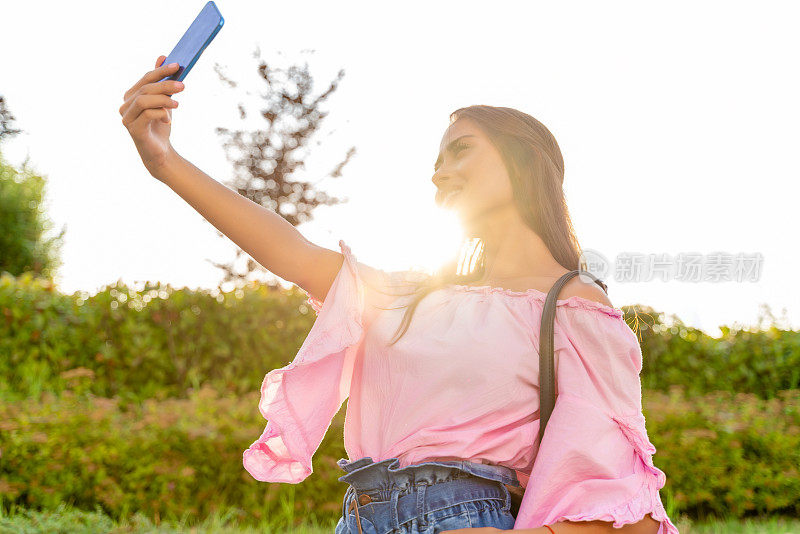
572,302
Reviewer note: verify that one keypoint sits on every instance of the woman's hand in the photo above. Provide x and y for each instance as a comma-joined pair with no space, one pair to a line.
147,114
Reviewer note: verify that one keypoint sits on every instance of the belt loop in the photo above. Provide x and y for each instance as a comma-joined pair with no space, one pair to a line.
422,509
508,497
395,496
345,508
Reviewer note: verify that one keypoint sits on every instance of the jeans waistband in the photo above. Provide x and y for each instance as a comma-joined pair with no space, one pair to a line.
402,493
364,474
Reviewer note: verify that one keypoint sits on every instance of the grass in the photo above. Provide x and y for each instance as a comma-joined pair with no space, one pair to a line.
67,520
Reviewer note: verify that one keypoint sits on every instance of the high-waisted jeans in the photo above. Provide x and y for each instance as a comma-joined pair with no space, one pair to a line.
428,497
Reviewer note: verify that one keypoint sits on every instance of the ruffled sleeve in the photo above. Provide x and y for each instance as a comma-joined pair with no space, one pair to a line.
300,399
595,461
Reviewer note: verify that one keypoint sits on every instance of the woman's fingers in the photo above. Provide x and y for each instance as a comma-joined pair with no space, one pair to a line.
148,98
150,77
167,87
143,103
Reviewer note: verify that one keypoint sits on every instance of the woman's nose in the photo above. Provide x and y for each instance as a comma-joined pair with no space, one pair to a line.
439,179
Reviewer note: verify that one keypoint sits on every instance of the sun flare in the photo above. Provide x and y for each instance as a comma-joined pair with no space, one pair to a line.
437,236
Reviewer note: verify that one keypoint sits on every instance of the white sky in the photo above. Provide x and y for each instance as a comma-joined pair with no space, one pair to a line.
677,122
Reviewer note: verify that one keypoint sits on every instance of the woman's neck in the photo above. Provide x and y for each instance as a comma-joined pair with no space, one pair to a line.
516,255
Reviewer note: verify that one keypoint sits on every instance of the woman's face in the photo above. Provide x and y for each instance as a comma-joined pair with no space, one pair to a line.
469,164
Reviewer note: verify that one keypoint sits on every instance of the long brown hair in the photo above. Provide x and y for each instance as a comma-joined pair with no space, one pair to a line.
536,168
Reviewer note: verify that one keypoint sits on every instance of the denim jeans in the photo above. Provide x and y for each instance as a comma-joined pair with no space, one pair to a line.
429,497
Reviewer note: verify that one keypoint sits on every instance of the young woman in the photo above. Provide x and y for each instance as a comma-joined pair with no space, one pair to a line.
441,370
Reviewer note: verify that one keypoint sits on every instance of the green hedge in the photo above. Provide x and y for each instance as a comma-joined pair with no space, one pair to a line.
157,342
758,361
172,458
724,454
160,447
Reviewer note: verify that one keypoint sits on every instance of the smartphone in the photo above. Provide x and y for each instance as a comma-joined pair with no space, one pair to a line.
201,32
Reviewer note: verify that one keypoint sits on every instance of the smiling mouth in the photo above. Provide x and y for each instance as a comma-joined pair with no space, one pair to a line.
451,195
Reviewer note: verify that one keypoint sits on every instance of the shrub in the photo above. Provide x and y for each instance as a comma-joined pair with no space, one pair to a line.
151,343
724,454
172,459
727,454
758,361
157,342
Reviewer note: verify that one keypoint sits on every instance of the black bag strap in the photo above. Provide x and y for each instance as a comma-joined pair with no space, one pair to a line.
547,393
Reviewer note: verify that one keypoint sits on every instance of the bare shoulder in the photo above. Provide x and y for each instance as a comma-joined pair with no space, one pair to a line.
587,290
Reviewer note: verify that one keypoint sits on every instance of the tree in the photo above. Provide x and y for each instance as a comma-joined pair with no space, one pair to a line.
268,158
5,121
23,223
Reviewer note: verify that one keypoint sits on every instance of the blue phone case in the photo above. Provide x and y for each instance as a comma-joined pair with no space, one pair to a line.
201,32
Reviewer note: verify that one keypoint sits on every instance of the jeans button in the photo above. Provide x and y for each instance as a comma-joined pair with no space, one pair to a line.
364,499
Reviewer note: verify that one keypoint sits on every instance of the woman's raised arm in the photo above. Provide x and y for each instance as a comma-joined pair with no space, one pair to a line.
266,236
274,243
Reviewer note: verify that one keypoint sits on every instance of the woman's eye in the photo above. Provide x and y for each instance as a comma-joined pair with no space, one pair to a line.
457,148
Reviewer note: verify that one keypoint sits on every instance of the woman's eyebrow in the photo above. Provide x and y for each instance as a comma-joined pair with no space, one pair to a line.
449,147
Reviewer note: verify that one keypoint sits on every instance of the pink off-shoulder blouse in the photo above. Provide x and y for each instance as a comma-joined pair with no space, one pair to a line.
462,384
